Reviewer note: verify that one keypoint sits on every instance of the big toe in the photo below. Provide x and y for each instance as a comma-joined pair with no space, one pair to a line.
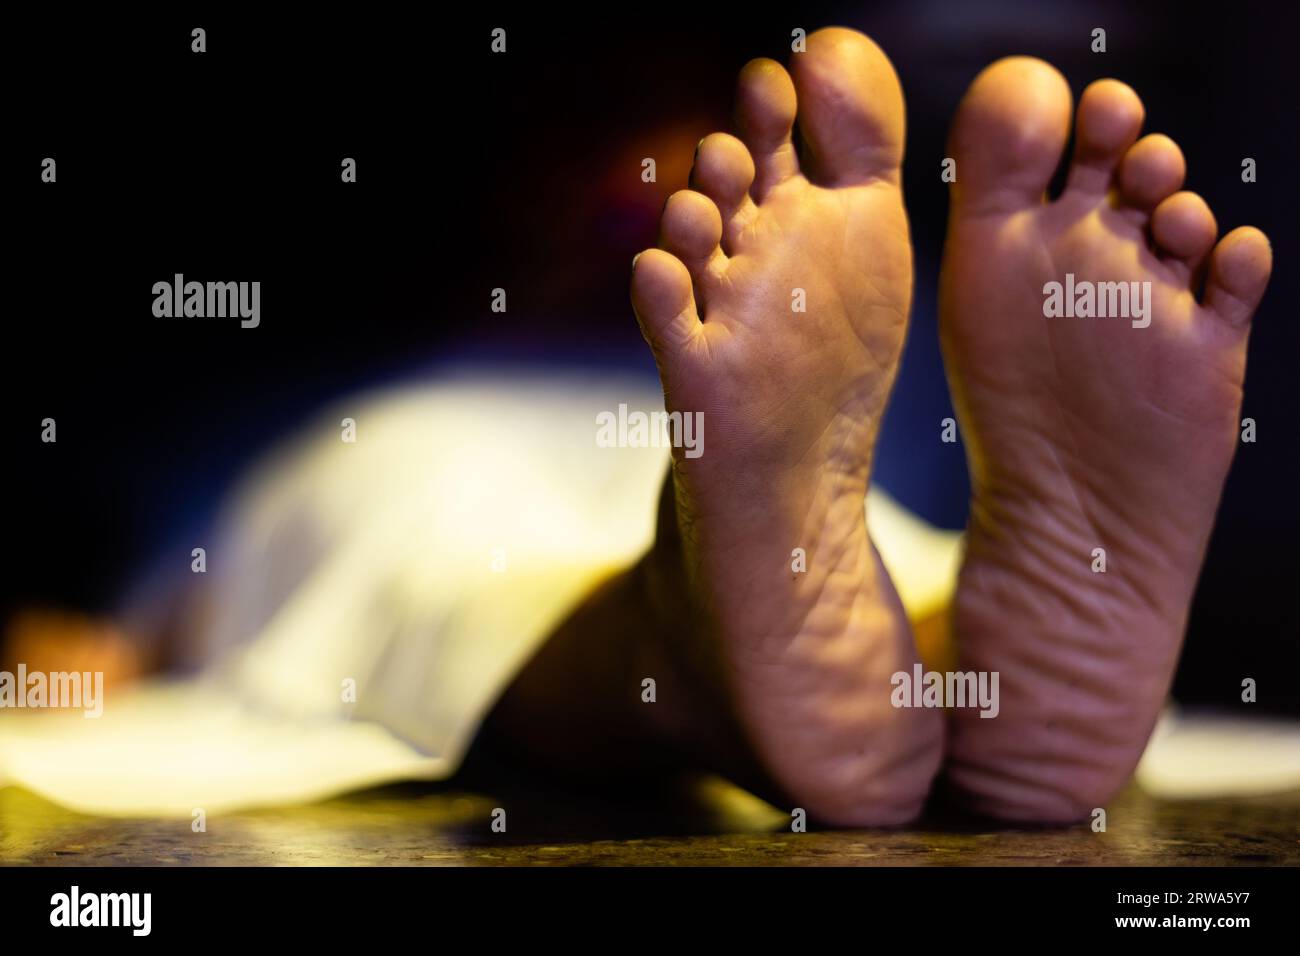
1009,134
851,114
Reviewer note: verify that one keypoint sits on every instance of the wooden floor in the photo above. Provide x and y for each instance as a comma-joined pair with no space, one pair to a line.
711,824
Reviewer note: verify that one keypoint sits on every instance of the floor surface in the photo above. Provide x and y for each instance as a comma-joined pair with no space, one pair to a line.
711,824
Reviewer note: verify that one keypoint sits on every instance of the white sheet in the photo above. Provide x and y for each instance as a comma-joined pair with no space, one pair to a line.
425,562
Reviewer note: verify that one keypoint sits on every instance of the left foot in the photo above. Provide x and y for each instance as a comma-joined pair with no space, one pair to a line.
1083,433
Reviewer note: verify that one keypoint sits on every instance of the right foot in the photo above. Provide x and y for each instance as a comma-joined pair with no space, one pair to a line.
792,402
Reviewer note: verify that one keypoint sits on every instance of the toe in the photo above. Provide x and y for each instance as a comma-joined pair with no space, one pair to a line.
1239,270
765,112
851,112
1184,228
1008,136
691,230
1109,118
724,171
1152,170
663,301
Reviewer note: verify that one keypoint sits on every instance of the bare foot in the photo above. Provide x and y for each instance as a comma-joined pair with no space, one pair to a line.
792,402
1083,433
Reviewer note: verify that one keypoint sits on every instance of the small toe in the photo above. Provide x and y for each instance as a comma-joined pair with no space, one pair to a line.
851,114
724,171
663,301
1109,118
1152,170
1239,269
1184,228
765,111
1008,136
691,229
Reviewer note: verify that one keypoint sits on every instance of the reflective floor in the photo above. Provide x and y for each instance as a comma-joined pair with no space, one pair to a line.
709,824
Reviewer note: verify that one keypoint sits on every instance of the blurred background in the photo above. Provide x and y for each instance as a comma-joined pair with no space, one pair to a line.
478,171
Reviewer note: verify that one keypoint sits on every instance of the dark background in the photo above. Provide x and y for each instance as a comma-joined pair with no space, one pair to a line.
520,171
